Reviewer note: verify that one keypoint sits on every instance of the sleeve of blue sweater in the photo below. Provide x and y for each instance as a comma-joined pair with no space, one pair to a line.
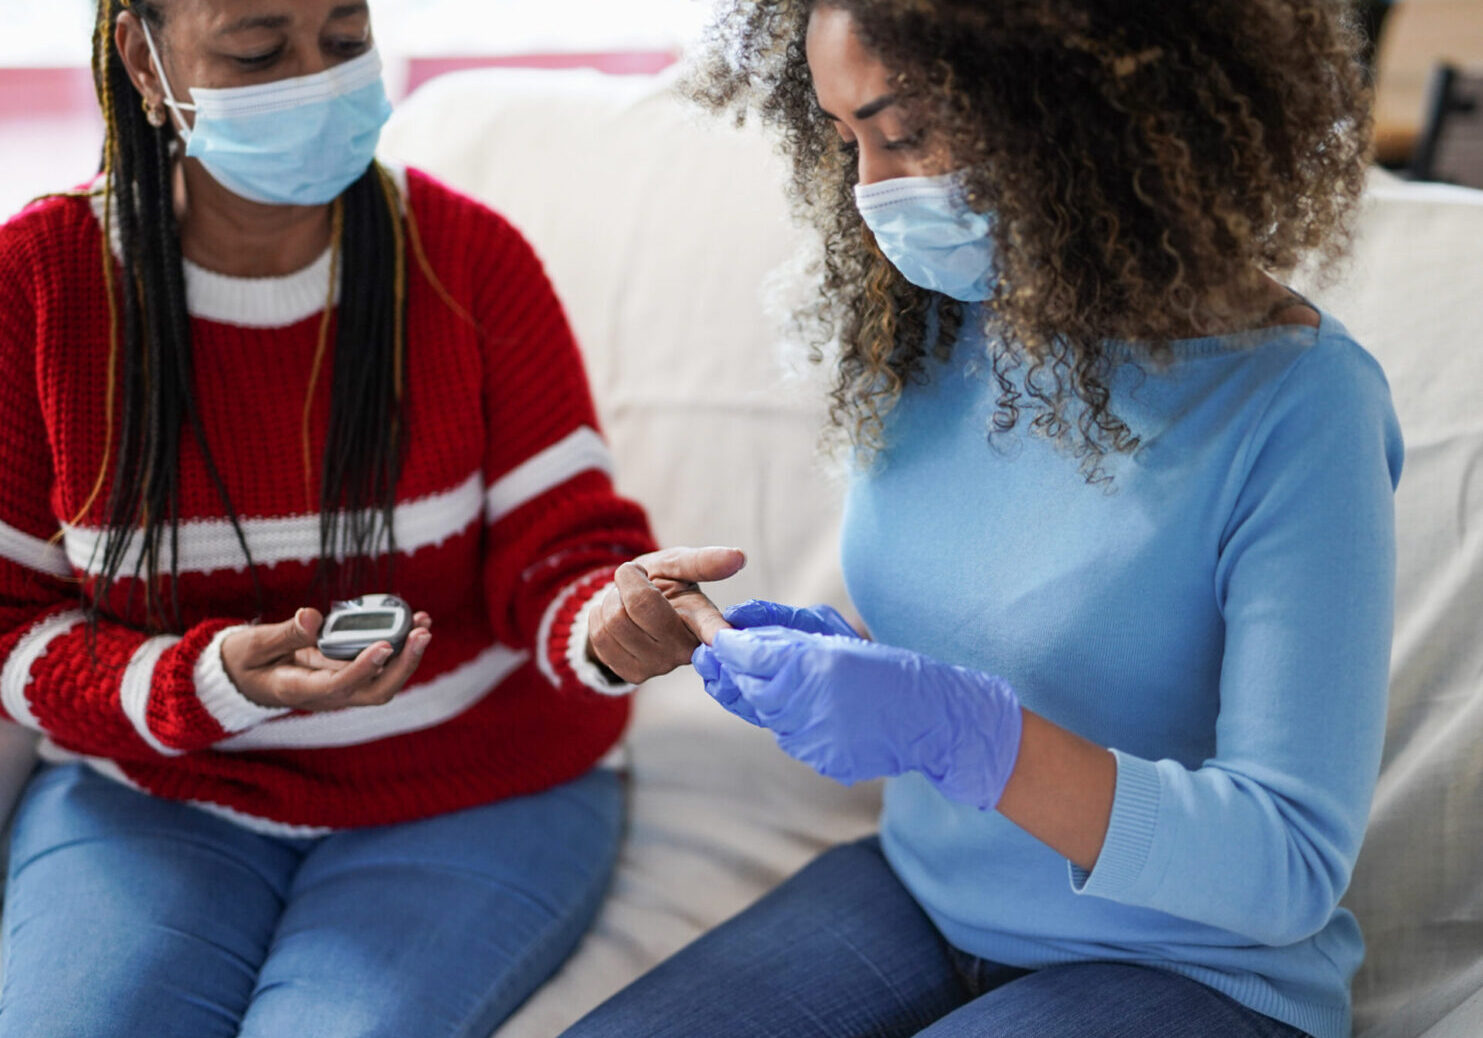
1262,838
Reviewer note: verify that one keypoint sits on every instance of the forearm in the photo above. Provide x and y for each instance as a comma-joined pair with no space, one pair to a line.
1061,790
117,692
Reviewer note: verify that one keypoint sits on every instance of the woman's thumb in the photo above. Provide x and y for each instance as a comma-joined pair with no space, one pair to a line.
297,632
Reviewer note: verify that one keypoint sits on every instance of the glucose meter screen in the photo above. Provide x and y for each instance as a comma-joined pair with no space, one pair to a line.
364,622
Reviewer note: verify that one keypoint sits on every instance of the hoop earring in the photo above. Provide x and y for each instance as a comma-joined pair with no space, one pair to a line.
154,114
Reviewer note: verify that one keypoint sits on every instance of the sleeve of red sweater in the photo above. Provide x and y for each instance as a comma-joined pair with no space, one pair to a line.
111,691
556,529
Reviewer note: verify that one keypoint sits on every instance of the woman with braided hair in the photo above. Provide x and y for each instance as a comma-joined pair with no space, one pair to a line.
1120,525
248,372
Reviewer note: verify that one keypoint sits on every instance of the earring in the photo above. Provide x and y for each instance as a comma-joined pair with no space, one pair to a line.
154,114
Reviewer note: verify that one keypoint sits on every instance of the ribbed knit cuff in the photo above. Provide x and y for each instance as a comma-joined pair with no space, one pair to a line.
231,709
561,645
1130,830
587,672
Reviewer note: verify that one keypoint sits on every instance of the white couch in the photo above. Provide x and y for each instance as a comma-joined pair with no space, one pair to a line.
659,227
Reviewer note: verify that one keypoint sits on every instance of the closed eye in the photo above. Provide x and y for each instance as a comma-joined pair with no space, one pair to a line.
257,61
350,48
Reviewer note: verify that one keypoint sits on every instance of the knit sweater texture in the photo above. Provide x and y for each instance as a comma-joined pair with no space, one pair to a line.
507,525
1219,615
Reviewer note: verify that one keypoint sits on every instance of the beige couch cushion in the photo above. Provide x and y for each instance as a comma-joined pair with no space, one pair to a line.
1414,295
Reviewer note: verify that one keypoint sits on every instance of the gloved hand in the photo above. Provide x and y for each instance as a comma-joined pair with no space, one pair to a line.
757,612
819,619
855,710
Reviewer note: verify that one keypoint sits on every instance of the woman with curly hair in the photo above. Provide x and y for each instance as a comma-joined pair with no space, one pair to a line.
1120,523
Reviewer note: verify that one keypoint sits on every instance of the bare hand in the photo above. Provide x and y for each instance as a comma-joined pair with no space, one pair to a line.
655,616
280,666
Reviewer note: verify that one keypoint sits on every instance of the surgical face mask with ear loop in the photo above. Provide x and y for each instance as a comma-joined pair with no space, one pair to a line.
299,141
926,228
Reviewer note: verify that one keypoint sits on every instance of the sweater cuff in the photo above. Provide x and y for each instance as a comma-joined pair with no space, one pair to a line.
1130,830
597,678
562,644
229,707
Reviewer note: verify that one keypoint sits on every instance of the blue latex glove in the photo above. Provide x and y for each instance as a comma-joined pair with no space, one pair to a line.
720,685
757,612
855,710
819,619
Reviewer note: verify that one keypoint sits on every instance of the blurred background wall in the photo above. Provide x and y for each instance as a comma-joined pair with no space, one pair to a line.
1427,125
50,132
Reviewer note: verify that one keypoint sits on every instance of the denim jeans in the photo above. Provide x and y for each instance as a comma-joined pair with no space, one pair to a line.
843,951
128,915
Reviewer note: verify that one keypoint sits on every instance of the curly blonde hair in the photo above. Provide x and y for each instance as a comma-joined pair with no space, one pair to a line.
1146,164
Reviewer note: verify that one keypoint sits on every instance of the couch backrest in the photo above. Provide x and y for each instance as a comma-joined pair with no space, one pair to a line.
659,227
1413,294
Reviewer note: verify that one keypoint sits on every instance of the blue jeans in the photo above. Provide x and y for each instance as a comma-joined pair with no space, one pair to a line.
128,915
843,951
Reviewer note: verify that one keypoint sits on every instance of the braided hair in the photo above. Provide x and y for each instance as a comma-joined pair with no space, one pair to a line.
150,398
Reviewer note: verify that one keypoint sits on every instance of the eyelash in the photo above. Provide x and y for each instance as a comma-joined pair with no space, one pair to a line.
905,144
346,48
259,60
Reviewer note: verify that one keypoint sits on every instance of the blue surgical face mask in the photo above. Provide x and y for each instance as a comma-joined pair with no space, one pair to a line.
299,141
926,228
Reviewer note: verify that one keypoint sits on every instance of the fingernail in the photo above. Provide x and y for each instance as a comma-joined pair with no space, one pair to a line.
420,643
381,655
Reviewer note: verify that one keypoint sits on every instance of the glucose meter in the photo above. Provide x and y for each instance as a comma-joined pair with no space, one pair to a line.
356,625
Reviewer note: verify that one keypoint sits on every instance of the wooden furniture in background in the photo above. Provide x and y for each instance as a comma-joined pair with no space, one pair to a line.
1418,36
1451,144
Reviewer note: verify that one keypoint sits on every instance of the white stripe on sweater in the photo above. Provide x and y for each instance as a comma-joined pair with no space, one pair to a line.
54,754
16,674
33,552
209,545
543,633
138,682
588,673
578,452
222,700
417,707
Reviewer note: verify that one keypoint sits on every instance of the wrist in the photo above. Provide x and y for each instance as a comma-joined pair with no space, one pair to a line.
1061,790
985,725
585,664
219,690
607,672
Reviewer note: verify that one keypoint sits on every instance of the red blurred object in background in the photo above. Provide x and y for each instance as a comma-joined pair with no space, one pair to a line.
420,70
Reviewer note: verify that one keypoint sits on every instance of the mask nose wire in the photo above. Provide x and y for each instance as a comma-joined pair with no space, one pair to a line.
176,107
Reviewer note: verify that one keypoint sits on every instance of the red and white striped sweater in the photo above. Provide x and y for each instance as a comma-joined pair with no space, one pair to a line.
507,524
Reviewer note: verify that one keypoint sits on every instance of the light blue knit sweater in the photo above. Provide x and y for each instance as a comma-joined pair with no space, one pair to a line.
1220,616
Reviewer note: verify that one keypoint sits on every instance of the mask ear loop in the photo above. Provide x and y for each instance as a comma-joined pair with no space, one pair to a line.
175,106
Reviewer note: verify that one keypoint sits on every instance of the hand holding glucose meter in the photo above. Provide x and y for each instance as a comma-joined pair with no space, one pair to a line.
356,625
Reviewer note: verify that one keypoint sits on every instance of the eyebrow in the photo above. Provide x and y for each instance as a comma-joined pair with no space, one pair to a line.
258,21
867,111
280,21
